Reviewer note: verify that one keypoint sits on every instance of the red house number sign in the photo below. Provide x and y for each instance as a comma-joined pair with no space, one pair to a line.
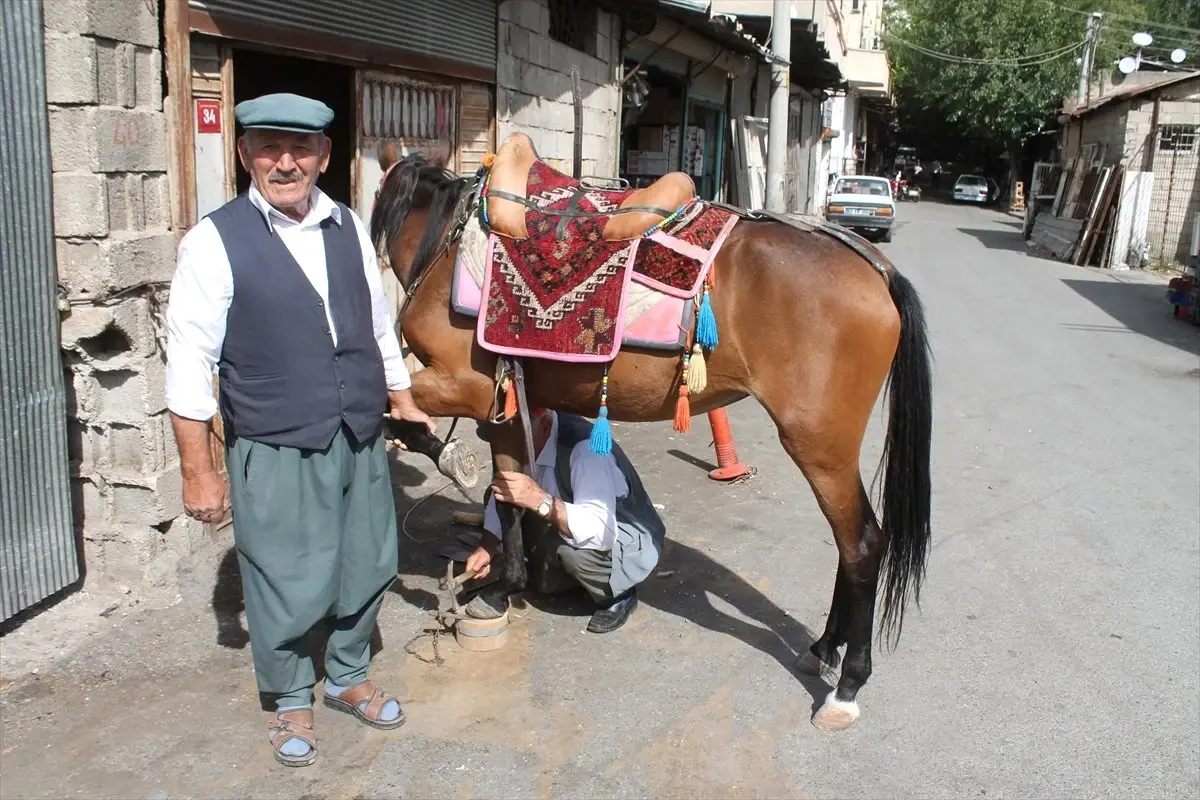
208,116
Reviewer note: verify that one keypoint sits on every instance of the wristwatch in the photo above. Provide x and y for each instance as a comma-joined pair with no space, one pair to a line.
546,506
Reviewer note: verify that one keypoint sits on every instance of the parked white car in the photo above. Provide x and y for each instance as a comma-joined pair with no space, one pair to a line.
864,204
971,189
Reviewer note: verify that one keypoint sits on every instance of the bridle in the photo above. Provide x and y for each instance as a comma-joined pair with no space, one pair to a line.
463,209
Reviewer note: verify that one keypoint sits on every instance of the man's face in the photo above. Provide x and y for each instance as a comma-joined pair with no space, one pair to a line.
284,166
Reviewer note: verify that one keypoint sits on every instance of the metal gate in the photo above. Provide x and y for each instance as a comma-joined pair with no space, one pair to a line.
1175,197
38,554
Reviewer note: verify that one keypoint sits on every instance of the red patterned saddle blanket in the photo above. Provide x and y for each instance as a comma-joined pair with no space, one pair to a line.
562,254
562,292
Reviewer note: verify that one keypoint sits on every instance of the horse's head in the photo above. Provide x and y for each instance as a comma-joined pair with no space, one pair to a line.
414,206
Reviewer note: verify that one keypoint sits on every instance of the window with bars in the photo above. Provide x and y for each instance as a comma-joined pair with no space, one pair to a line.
1178,138
574,23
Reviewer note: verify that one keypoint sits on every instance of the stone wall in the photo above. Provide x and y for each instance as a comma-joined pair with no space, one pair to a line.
533,88
115,252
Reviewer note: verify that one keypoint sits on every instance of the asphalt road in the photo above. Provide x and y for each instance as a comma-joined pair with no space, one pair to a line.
1055,653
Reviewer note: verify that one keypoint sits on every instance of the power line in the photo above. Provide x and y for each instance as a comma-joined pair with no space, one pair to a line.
1030,60
1133,20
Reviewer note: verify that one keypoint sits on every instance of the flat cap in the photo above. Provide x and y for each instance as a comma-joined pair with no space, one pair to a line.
284,112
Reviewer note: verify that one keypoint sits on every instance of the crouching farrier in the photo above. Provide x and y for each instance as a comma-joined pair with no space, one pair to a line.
279,289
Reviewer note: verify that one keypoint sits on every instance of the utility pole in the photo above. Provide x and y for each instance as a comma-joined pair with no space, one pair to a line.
781,48
1089,54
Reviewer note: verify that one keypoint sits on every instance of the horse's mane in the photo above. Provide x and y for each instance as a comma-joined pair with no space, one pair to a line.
413,182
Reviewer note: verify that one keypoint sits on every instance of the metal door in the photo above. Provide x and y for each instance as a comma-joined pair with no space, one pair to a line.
38,554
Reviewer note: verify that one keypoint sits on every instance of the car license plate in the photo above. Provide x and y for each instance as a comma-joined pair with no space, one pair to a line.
861,212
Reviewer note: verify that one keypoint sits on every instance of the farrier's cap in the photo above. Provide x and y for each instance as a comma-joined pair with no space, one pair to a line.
284,112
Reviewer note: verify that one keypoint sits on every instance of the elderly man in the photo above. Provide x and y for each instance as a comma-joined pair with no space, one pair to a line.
593,525
280,289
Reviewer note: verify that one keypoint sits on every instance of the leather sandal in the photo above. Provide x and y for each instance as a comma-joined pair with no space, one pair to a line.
282,727
350,700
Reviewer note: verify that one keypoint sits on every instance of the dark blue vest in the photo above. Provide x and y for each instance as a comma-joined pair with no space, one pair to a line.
282,380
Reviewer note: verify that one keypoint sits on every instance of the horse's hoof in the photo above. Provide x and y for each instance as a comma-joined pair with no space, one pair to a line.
457,463
835,715
809,664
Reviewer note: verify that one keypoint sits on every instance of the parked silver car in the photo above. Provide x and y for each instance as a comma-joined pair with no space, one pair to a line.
971,189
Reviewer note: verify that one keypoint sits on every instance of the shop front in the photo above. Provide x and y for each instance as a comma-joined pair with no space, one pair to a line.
674,115
417,75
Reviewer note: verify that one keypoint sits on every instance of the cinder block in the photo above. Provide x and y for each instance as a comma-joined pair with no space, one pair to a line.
156,200
72,143
80,205
124,260
529,15
507,70
159,499
66,16
149,78
140,257
131,392
130,141
516,40
507,11
117,78
126,211
162,572
108,140
91,506
70,70
133,21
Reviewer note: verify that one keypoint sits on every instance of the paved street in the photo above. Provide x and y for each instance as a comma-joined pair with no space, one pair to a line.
1056,653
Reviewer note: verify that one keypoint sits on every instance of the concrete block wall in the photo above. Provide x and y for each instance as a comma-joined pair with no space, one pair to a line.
115,253
533,87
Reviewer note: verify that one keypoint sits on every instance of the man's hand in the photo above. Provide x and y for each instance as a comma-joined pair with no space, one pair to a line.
403,407
518,489
480,562
205,496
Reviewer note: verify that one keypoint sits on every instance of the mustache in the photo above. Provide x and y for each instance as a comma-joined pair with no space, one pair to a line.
282,176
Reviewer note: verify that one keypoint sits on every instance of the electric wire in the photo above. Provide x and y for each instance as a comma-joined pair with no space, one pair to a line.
1030,60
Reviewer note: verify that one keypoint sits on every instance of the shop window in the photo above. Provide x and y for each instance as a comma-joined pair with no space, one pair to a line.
573,23
1178,138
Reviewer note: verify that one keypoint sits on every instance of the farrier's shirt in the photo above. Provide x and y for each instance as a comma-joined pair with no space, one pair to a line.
596,484
202,290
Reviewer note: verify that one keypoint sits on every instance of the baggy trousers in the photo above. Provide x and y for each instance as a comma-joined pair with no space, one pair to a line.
315,533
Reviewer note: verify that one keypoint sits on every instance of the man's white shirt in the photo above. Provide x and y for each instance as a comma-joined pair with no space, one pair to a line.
202,290
596,484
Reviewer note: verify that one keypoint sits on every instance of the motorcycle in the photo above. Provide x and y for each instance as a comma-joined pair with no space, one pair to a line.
908,191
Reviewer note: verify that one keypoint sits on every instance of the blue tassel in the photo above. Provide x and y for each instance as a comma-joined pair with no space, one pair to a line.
706,324
601,441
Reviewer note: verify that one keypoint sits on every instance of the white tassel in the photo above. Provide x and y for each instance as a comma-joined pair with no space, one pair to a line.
697,371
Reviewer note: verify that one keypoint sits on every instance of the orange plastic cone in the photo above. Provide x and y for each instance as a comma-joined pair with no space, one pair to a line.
728,466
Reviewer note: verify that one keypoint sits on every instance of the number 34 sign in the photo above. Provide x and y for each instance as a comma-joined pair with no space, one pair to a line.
208,116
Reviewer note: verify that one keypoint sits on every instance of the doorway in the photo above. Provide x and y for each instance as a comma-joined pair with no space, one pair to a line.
257,73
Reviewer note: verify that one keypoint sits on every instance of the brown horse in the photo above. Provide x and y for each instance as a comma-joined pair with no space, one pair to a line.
809,327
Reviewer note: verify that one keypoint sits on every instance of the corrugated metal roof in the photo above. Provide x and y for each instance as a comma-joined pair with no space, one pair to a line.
1130,92
462,30
38,556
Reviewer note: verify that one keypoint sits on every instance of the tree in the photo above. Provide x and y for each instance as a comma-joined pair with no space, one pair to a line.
987,74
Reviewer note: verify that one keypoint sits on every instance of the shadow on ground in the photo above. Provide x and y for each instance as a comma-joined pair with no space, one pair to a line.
1141,308
1006,239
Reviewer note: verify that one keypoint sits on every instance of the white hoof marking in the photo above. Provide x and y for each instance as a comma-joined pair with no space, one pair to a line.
834,714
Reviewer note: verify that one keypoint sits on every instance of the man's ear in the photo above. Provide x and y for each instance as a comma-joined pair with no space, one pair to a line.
243,149
326,150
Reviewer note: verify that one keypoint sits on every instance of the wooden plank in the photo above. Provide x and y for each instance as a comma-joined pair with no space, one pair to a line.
181,168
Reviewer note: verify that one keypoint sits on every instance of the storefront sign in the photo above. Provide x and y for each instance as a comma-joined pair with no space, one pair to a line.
208,116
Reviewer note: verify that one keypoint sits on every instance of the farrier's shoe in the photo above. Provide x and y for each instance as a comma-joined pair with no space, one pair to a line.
615,614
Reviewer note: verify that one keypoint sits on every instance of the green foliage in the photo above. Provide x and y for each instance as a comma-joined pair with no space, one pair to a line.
995,106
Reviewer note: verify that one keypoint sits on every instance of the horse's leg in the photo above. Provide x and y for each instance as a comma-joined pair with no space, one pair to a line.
860,544
508,454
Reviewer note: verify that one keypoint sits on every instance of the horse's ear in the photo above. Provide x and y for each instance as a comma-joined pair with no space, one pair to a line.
388,156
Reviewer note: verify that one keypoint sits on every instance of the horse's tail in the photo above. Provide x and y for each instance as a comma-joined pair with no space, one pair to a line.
906,461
